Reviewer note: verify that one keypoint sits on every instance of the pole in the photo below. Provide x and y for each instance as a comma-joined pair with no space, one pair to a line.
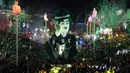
94,40
16,40
45,19
87,28
90,28
45,30
27,65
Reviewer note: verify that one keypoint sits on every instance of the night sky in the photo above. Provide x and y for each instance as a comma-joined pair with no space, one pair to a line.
39,6
75,7
49,6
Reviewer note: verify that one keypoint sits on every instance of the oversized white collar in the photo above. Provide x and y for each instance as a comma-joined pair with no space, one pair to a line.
63,34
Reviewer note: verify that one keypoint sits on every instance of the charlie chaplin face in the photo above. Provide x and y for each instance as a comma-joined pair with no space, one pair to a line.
62,26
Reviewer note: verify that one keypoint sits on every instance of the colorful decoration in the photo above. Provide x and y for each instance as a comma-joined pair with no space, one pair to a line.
45,17
90,19
94,14
55,70
16,8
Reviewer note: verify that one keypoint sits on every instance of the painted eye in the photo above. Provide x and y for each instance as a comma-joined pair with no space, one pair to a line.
67,22
62,23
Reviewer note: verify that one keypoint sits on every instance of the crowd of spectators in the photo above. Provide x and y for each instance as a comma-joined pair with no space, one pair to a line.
34,59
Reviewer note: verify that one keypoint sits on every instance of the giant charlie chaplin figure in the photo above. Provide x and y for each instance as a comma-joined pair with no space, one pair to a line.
62,45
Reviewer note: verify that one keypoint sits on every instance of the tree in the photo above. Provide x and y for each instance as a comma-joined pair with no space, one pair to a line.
111,14
2,4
